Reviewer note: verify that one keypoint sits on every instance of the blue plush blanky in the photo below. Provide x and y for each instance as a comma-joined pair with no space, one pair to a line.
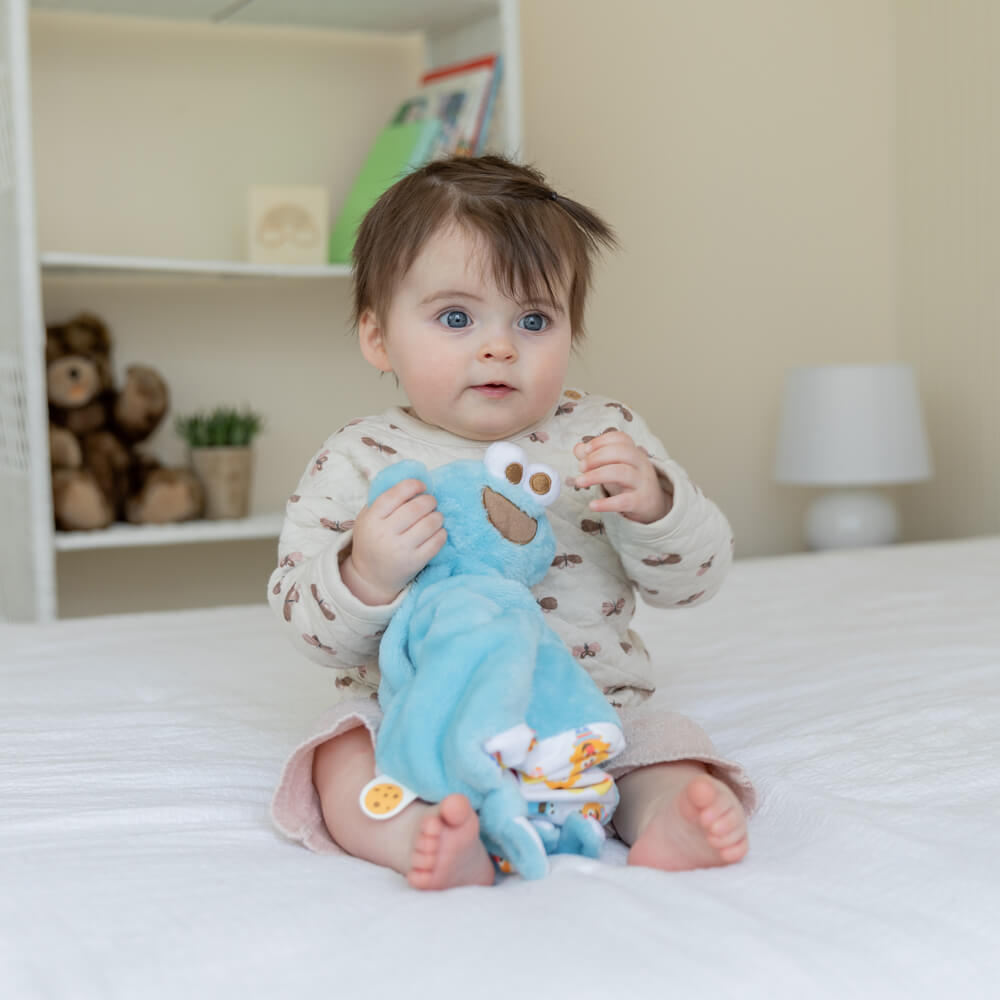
468,655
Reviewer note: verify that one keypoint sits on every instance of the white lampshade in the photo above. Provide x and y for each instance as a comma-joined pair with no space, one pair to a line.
851,425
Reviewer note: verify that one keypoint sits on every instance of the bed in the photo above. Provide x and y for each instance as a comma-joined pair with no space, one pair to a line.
861,689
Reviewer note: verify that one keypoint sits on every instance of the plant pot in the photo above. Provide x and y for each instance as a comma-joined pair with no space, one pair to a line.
225,473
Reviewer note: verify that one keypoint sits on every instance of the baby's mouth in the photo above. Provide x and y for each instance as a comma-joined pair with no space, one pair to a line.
493,388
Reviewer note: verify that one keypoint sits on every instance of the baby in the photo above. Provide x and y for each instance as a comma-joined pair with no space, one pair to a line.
470,281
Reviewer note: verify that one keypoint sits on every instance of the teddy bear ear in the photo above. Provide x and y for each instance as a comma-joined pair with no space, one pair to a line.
396,473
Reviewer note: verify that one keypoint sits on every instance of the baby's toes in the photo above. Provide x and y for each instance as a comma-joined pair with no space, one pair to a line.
736,852
427,844
703,794
728,837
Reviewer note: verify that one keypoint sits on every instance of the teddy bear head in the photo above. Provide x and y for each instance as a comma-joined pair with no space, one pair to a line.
78,361
494,511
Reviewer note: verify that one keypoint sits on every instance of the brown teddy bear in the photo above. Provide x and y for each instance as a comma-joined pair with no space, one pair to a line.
97,475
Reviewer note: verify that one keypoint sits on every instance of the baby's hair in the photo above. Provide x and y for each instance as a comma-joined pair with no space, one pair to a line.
535,238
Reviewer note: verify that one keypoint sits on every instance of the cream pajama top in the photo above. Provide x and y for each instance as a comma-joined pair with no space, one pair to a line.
589,593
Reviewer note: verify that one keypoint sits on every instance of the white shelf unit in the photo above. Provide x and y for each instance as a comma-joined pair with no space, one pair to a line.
448,30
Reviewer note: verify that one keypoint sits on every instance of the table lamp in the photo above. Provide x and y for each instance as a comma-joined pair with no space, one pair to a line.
851,427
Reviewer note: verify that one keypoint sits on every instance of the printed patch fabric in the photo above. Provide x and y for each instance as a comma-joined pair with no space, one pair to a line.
560,776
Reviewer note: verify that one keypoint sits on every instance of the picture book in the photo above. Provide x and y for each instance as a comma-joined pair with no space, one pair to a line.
461,96
400,148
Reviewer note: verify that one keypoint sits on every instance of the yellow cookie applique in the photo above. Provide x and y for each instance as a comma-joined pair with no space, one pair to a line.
383,797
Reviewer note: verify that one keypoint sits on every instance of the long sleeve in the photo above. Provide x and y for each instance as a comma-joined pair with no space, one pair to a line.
682,558
321,616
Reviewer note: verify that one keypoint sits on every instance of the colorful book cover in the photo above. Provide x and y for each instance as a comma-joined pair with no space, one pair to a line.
460,96
399,149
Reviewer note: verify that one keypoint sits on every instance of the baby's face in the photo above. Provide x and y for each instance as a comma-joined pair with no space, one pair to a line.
470,360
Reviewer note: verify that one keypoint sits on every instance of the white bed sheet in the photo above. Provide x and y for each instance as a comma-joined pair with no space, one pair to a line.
862,690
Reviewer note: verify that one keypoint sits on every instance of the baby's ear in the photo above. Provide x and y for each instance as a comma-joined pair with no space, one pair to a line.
396,473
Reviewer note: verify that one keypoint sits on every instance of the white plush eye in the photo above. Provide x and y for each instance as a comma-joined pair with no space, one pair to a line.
505,461
542,483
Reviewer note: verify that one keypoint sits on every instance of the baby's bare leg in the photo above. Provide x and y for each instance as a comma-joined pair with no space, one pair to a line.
676,816
434,846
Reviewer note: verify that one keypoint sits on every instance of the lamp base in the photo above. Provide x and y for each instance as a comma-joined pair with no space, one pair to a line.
844,519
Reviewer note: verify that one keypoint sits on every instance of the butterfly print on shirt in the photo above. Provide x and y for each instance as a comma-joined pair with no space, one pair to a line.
323,606
587,649
587,438
382,449
313,640
292,597
336,525
548,603
692,598
670,559
625,411
567,559
319,462
610,608
705,567
591,527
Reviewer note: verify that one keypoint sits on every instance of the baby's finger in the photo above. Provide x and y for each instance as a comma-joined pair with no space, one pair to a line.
423,529
620,503
408,514
619,474
601,441
394,497
430,548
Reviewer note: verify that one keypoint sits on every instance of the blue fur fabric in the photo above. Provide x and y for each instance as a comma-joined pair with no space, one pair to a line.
468,655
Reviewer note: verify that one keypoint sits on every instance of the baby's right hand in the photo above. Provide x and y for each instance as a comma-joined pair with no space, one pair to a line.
394,538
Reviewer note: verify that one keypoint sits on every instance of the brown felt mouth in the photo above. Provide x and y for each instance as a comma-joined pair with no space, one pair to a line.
508,518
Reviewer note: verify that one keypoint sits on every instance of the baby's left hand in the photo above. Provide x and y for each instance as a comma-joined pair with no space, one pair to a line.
616,463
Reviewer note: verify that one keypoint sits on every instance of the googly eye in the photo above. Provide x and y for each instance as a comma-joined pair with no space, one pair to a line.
505,461
542,483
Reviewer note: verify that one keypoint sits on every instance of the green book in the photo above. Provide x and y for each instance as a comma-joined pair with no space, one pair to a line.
397,151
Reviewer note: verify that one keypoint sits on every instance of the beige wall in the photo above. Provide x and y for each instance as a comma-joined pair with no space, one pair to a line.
949,160
744,151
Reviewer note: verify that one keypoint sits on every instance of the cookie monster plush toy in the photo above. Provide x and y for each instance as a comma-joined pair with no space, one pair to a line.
479,695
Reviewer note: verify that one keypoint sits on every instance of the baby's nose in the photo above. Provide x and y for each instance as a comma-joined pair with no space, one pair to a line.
498,349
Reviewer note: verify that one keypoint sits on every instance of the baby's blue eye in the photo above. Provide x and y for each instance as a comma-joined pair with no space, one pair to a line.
535,322
457,319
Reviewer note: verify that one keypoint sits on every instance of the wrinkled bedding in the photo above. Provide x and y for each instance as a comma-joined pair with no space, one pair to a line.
138,755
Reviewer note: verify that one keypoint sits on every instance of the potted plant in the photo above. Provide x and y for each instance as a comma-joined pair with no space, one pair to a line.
222,456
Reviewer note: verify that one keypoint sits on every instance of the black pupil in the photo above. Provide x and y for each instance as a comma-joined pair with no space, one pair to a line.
456,318
533,322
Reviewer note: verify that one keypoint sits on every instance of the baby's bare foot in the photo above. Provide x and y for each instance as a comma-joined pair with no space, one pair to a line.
702,825
447,851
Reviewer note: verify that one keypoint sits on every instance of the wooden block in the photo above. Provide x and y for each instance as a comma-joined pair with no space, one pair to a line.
287,224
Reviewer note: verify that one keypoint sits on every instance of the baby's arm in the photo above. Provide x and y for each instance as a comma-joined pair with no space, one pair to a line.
675,544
